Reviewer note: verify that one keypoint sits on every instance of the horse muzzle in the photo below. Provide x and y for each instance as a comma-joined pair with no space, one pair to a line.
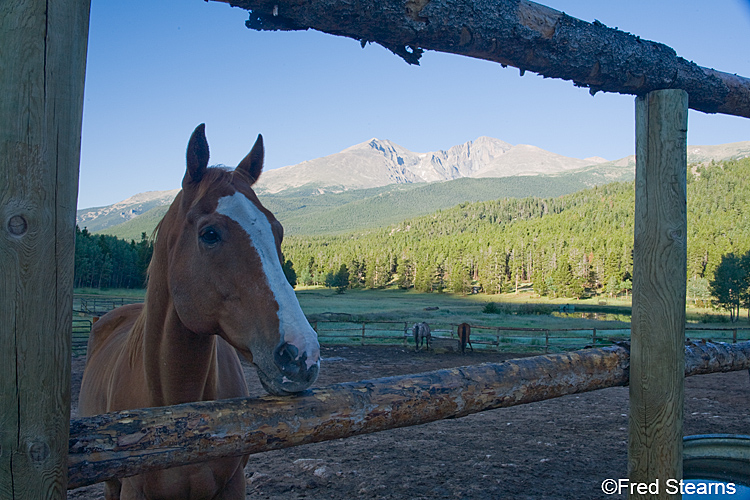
292,372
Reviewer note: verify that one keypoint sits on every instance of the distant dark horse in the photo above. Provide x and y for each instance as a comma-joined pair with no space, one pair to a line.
421,335
464,330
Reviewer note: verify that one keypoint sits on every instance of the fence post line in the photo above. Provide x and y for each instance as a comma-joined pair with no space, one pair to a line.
362,342
657,360
406,333
546,341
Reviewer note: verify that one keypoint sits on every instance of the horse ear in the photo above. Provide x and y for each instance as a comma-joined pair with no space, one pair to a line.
197,156
252,164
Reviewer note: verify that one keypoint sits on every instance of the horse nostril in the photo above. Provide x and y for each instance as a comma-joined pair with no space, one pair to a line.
291,372
288,360
285,353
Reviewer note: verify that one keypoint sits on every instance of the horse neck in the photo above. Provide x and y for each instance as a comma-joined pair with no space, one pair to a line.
180,366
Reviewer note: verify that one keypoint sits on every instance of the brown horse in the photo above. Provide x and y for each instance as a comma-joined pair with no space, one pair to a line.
464,332
216,285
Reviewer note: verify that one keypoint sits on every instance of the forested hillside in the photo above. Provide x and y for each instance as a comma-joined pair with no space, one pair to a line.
103,261
564,245
568,246
306,212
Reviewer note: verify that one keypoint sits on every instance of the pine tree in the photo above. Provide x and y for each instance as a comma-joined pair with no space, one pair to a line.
730,285
289,272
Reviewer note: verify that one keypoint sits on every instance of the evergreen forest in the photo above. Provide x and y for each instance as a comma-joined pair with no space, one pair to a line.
568,246
103,261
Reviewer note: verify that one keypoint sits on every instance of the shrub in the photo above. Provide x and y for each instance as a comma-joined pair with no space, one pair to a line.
491,308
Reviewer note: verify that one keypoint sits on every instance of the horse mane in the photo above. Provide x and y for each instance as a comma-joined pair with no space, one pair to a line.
134,342
212,177
135,339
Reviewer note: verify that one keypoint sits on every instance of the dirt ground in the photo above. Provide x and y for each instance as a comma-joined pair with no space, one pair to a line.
558,449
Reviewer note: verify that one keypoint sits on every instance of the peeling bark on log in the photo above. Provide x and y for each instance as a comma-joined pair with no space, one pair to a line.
519,33
703,357
132,442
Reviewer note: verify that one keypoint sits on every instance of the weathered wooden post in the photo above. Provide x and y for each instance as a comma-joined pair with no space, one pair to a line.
42,64
657,356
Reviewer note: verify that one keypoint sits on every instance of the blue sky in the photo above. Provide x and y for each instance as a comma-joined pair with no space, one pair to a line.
156,69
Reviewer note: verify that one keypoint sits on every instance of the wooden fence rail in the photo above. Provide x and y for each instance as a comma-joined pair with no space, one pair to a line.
485,337
363,332
81,330
137,441
499,338
97,306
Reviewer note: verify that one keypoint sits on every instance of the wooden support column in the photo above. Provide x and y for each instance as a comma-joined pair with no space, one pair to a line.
657,357
42,64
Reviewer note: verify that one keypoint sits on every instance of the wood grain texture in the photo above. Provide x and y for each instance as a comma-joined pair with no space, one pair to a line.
519,33
659,280
42,56
136,441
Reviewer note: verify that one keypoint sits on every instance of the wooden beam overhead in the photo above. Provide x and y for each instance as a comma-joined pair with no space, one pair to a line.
519,33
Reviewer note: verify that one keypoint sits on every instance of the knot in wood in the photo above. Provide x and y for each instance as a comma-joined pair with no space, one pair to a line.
38,452
17,225
676,235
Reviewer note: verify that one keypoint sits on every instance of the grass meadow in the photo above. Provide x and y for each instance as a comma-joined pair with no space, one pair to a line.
521,310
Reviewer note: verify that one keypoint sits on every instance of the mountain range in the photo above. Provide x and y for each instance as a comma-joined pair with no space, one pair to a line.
379,182
99,218
377,163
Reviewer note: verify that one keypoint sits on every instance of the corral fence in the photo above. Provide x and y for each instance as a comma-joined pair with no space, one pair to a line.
341,329
40,133
81,330
511,339
97,306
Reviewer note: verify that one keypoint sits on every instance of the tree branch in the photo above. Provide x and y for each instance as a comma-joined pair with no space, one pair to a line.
518,33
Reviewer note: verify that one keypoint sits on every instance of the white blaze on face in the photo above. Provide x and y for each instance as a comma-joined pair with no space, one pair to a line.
294,327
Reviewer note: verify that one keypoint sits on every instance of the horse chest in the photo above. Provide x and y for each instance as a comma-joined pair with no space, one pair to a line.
191,482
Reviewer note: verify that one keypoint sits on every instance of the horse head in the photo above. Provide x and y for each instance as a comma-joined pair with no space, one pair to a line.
224,270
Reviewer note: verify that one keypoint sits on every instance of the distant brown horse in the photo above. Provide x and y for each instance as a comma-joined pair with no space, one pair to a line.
215,285
422,335
464,331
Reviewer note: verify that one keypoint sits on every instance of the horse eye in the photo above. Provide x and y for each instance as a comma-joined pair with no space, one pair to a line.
210,237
